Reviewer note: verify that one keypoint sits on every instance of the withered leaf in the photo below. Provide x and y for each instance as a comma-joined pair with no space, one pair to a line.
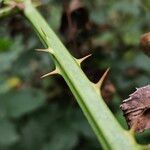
136,109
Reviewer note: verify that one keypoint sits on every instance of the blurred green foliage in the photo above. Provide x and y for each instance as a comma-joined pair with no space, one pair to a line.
41,114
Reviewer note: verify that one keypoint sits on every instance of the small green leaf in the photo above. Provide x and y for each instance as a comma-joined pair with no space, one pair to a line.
8,134
63,139
9,57
18,103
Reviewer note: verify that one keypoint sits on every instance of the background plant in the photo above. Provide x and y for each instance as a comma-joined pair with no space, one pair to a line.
110,47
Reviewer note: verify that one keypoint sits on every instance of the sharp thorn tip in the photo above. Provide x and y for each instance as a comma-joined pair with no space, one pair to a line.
51,73
100,82
80,60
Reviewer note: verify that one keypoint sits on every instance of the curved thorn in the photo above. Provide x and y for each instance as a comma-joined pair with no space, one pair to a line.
80,60
44,32
42,50
37,4
14,4
56,71
100,82
48,50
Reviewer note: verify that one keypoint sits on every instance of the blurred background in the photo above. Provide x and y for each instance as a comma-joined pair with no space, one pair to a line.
42,114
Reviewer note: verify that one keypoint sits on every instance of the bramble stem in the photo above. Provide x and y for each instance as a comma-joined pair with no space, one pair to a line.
109,132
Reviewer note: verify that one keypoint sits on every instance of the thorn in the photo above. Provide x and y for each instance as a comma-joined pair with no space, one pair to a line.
80,60
14,4
56,71
43,32
42,50
37,4
48,50
46,36
9,3
100,82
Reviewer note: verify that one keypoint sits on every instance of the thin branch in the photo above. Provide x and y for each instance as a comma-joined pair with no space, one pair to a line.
5,11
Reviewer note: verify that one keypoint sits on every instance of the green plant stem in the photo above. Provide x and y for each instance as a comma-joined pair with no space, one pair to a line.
109,132
6,11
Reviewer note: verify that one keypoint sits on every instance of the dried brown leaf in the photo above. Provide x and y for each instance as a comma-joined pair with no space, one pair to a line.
136,109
